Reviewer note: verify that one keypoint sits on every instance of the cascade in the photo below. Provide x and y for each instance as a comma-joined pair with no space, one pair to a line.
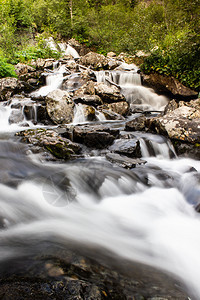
138,96
145,214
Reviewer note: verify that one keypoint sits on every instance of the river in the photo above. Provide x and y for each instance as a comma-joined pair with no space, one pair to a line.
145,214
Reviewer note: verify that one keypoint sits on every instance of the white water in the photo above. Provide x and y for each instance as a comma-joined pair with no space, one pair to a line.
146,214
71,51
153,225
137,95
53,82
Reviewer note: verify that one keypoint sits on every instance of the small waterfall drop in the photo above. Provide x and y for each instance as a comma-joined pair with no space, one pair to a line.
71,51
139,97
79,115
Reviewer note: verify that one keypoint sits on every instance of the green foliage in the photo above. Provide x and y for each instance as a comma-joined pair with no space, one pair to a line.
6,69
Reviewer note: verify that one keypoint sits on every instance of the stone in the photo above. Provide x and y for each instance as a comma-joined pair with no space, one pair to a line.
120,108
181,124
171,106
107,93
21,69
60,107
113,64
58,146
93,100
124,161
137,124
129,148
94,60
87,88
111,54
94,136
110,115
9,86
169,85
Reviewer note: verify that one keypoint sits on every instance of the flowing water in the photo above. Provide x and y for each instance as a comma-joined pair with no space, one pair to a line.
146,214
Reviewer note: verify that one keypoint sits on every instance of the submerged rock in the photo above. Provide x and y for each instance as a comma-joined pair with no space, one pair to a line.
60,107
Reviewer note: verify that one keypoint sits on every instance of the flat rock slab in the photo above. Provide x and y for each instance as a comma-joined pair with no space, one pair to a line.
49,139
127,147
94,136
124,161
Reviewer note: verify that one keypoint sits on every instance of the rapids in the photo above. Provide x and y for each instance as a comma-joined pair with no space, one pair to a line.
146,214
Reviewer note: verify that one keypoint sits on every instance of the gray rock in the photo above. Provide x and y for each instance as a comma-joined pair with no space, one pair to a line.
94,136
60,107
59,146
93,100
95,60
124,161
120,108
137,124
127,147
181,124
9,86
107,93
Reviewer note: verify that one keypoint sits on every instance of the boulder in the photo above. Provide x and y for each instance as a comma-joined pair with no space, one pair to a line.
110,115
182,124
169,85
107,93
95,136
120,108
126,147
60,107
94,60
59,146
124,161
93,100
9,86
21,69
137,124
88,89
111,54
87,111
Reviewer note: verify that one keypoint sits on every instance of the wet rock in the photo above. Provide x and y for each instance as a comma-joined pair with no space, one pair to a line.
94,136
124,161
59,146
170,85
113,64
9,86
108,94
93,100
137,124
88,112
95,60
129,148
186,149
87,88
110,115
73,83
60,107
120,108
181,124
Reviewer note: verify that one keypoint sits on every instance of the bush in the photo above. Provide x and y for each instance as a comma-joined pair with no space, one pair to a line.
6,69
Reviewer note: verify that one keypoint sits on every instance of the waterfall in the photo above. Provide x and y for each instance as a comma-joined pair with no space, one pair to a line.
79,115
138,96
71,51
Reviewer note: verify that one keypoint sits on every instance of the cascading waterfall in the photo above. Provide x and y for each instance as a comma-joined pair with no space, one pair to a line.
138,96
146,214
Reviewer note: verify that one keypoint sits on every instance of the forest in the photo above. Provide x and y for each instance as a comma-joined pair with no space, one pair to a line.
167,29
